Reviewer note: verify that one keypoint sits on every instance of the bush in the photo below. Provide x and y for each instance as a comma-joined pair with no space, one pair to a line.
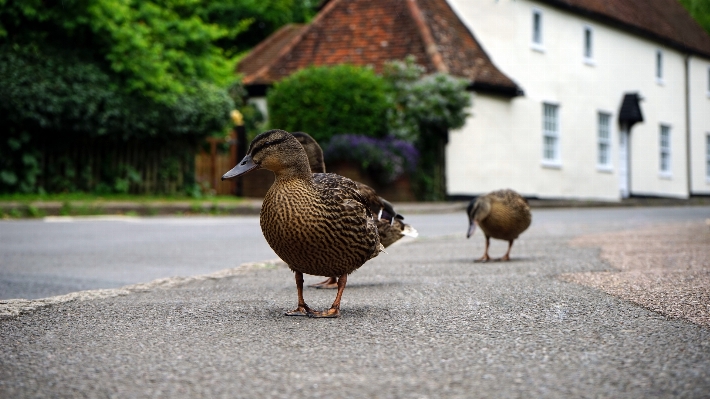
425,104
324,101
53,102
383,159
60,91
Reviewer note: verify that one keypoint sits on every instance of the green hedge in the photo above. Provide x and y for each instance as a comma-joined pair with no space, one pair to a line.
324,101
54,100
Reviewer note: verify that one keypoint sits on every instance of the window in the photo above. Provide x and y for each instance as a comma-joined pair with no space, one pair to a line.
550,134
537,29
604,140
588,49
665,150
659,66
707,157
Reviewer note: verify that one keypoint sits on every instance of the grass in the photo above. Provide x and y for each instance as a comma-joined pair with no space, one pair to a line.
15,206
88,197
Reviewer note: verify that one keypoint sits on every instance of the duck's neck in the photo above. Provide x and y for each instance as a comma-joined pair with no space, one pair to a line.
301,171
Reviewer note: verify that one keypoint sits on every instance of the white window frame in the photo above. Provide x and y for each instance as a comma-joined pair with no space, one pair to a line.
707,157
665,150
658,66
556,161
607,141
539,44
708,83
588,51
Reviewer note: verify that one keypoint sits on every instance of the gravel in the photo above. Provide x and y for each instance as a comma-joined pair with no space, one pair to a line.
665,268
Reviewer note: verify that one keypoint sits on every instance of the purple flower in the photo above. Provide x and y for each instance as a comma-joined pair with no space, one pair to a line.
384,159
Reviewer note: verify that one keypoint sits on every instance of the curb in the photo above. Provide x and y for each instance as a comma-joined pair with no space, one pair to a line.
11,308
252,206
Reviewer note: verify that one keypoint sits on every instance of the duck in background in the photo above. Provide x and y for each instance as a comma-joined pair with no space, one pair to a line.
318,223
502,214
389,223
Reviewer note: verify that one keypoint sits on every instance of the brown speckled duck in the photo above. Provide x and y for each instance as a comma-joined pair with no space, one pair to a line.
389,223
317,223
502,214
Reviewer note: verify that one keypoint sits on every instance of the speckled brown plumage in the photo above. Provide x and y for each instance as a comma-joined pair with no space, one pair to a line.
502,214
319,227
316,223
377,204
389,223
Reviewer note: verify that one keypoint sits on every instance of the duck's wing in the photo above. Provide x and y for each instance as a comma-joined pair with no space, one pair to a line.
340,189
340,196
378,205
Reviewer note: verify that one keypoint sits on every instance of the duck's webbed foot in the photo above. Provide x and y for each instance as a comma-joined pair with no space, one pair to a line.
330,283
507,254
330,313
484,258
301,310
334,310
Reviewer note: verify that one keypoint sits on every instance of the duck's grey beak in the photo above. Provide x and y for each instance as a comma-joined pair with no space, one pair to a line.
246,165
471,229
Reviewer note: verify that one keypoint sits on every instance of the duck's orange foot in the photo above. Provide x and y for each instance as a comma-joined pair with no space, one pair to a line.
503,259
484,258
300,311
330,313
330,283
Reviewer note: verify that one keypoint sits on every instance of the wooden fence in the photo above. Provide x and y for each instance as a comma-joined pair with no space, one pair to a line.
138,166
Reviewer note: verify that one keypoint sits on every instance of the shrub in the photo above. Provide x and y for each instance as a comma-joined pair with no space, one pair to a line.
324,101
383,159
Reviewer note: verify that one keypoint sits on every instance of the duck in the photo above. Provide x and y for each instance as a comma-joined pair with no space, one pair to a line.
502,214
390,226
318,224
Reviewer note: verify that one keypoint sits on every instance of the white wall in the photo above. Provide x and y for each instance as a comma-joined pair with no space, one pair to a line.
699,123
622,63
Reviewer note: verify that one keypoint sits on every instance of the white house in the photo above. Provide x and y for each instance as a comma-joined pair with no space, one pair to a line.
566,137
573,98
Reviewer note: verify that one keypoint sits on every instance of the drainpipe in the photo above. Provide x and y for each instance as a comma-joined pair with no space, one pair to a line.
687,126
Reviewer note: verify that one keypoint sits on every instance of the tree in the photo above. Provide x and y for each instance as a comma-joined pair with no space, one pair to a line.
118,70
426,108
700,11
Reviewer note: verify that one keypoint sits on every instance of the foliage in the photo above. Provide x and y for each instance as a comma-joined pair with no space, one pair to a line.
155,48
700,11
65,93
263,18
324,101
384,159
428,104
426,108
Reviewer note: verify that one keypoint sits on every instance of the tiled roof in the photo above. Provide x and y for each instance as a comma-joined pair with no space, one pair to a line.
665,21
372,32
268,50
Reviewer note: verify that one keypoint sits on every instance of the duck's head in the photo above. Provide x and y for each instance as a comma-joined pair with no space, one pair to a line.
275,150
313,150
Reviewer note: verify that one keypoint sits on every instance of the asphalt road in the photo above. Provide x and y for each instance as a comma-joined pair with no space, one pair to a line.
45,258
421,321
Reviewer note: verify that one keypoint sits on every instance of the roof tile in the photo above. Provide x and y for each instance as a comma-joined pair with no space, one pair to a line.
666,21
372,32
